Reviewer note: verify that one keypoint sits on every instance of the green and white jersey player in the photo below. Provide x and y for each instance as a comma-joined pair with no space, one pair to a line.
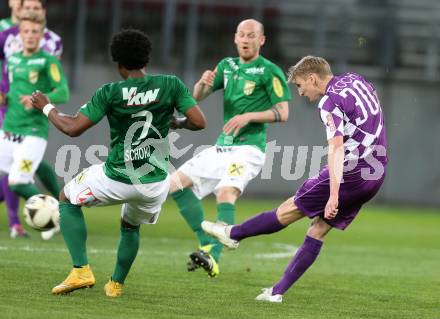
23,137
139,110
255,93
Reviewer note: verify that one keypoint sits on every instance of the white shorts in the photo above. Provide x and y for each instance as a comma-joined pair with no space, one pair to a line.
20,156
223,166
141,203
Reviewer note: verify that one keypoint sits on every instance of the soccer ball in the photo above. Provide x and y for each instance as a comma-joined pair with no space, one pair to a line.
41,212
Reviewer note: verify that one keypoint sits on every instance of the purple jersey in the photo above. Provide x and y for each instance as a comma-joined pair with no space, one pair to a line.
351,108
10,43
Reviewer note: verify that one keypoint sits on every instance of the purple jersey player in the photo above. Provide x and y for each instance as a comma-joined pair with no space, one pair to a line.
353,119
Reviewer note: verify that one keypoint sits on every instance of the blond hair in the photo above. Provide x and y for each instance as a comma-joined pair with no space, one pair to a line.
308,65
34,17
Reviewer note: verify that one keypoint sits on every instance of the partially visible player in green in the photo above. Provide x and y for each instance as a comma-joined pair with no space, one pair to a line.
23,137
6,23
10,43
255,93
139,110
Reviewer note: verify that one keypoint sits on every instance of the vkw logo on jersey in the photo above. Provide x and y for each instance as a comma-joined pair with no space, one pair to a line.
138,99
249,87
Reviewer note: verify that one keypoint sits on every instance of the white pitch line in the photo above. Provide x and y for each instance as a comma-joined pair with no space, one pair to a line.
287,251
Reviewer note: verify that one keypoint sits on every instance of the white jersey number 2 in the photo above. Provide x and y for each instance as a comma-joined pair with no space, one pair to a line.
149,118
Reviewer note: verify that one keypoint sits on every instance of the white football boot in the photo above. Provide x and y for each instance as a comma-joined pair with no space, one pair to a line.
221,231
266,295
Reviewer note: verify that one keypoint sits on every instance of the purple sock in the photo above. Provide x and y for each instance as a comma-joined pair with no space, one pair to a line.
264,223
2,194
303,259
12,202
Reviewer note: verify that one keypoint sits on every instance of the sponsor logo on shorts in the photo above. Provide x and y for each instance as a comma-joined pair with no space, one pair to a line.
80,177
26,166
236,169
86,198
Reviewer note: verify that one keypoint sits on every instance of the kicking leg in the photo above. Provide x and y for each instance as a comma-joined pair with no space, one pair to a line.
263,223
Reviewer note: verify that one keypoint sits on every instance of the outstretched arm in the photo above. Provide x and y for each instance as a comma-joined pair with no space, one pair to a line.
70,125
278,113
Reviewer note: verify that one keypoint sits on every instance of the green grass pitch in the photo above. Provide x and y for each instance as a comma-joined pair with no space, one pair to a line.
386,265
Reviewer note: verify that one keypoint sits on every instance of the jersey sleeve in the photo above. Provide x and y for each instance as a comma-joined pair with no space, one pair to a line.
58,49
332,117
59,89
219,77
183,98
98,105
276,85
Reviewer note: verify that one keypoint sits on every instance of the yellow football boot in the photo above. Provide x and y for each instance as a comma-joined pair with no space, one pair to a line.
78,278
113,288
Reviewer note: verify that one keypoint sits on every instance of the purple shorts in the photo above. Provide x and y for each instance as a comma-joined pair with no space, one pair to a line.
355,191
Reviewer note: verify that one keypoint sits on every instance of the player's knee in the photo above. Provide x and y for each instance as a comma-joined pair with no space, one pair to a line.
227,194
318,229
126,224
288,212
179,181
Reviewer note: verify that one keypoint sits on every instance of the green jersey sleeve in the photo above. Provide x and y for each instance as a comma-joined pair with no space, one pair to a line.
183,98
276,86
59,89
98,106
219,77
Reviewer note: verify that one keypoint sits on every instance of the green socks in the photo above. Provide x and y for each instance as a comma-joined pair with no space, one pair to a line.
47,176
73,228
24,190
127,251
225,213
74,231
192,211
